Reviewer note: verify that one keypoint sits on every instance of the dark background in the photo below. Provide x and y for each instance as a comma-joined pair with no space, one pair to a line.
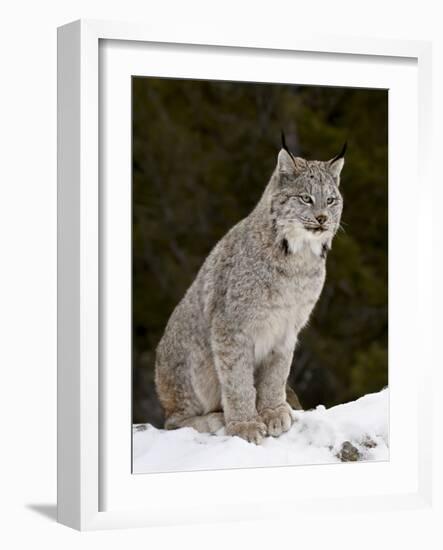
202,154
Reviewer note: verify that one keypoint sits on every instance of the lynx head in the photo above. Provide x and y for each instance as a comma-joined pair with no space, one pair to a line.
306,202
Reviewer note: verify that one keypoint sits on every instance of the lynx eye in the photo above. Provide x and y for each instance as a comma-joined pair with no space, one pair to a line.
330,200
306,198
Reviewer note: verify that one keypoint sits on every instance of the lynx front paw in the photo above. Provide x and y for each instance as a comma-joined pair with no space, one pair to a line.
277,420
253,431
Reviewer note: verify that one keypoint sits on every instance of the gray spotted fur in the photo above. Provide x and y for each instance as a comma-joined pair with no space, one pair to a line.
226,351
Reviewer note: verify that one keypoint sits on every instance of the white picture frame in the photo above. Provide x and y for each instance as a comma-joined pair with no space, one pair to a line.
89,437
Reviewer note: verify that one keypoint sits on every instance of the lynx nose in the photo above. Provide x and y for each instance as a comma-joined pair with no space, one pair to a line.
322,218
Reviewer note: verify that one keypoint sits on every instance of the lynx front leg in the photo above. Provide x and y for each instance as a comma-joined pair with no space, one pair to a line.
234,364
271,379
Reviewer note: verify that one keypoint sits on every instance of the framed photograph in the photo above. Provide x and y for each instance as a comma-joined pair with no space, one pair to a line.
242,254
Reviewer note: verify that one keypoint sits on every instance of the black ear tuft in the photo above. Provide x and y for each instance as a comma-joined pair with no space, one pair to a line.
283,141
341,154
283,144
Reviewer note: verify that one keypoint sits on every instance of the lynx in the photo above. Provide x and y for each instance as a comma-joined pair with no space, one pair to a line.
226,352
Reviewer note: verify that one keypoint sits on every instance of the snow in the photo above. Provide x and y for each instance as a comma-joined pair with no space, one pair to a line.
353,431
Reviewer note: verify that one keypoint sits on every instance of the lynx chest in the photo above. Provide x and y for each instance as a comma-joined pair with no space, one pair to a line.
285,308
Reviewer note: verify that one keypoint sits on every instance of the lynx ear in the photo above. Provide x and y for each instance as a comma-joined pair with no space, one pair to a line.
286,162
335,165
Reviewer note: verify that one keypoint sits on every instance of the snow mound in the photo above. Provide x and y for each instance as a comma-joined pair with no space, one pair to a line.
354,431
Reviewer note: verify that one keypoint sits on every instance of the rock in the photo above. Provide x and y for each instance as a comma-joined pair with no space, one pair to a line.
349,453
368,443
140,427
